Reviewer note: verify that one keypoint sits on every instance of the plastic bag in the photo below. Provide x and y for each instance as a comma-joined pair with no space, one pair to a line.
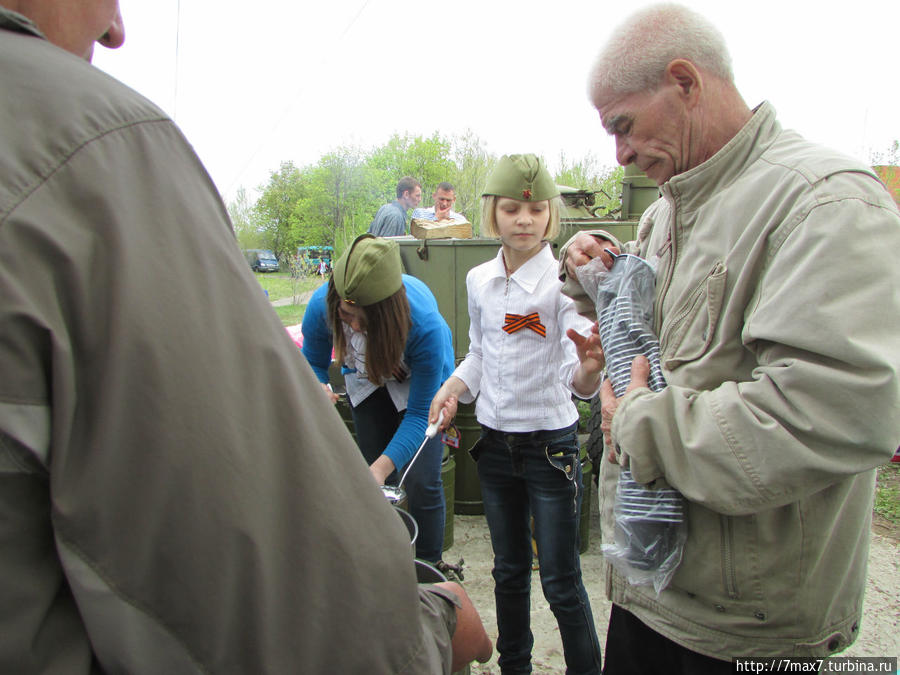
650,529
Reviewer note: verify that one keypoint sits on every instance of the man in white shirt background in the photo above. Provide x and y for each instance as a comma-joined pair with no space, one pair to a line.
444,197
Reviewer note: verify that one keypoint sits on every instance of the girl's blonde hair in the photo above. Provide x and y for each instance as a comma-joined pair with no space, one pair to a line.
387,325
489,217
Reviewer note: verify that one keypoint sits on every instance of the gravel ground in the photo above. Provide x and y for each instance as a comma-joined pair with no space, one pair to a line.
879,635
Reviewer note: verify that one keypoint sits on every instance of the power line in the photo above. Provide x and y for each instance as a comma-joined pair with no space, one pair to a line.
293,100
177,59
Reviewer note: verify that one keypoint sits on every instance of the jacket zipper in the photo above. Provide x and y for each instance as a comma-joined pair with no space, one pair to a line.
670,270
728,578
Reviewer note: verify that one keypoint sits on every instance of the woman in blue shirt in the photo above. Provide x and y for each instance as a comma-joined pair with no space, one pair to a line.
395,349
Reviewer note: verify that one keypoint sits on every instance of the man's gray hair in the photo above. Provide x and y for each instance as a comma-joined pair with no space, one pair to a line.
636,56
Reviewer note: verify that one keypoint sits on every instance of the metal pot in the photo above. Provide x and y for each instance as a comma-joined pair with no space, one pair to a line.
410,523
426,573
396,496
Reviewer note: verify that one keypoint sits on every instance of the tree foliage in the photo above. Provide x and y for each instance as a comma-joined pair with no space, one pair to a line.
472,166
891,156
242,219
276,214
332,201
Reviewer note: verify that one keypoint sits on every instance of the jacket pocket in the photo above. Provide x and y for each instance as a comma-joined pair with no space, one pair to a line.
689,334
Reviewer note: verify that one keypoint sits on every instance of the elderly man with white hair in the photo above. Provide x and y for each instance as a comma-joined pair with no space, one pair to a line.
778,317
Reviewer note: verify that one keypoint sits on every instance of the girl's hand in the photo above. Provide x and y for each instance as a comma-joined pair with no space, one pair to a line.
587,375
449,405
328,392
443,400
589,349
446,398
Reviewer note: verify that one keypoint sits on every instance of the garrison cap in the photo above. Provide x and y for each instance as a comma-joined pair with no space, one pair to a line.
370,271
522,177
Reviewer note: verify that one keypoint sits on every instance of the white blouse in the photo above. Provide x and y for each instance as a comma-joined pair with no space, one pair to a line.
358,385
521,376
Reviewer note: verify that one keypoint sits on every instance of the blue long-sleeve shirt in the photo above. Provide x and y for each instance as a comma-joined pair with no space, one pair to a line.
428,354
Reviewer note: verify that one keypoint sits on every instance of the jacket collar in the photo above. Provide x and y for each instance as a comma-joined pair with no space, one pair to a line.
13,21
691,189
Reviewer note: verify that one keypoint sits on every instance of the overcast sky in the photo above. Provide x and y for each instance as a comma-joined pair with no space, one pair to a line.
253,84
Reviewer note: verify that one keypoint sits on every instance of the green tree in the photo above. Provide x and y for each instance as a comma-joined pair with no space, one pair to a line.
275,212
339,199
244,222
428,160
334,200
891,156
473,164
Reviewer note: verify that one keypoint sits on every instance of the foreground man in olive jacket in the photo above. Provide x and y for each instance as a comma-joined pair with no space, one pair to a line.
778,312
176,495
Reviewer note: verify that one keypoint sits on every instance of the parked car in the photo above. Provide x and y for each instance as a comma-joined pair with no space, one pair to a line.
261,260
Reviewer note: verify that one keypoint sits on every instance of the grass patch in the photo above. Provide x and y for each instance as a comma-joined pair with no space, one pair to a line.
281,285
290,315
887,492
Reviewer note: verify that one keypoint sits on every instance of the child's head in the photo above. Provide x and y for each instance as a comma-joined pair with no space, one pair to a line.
366,292
523,178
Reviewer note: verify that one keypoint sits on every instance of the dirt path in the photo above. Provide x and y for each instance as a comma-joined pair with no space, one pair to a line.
879,635
302,299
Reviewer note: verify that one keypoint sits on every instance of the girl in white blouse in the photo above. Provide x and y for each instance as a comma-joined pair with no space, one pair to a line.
529,352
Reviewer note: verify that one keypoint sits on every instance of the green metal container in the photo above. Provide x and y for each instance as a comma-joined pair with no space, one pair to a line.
443,264
448,477
638,192
467,499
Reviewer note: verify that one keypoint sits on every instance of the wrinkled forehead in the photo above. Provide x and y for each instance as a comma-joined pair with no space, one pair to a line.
618,111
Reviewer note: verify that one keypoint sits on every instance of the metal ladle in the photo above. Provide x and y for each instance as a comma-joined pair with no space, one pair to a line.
396,494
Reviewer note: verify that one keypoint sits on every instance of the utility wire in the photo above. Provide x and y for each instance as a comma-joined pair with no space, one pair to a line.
177,59
293,100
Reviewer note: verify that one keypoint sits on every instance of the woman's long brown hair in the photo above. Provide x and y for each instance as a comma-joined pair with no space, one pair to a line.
387,325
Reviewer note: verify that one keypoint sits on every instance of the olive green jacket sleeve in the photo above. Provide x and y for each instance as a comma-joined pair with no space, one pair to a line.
176,494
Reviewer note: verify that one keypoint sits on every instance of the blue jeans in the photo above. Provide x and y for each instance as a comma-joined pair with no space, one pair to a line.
536,474
376,420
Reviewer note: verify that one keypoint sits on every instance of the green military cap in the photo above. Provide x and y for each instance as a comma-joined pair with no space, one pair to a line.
522,177
369,271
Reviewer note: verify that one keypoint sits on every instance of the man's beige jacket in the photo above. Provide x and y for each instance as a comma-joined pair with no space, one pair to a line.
778,313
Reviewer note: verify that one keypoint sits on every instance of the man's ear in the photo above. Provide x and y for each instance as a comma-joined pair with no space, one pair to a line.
685,76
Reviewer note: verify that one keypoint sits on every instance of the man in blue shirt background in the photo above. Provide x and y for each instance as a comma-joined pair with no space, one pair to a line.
390,221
